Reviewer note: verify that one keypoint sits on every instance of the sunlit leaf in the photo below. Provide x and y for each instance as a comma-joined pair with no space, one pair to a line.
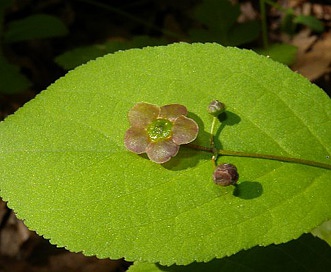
65,170
283,53
324,231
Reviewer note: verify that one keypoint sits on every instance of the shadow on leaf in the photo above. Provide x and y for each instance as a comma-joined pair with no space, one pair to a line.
307,253
226,118
248,190
188,157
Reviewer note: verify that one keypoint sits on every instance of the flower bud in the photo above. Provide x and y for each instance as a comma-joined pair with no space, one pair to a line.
225,174
215,108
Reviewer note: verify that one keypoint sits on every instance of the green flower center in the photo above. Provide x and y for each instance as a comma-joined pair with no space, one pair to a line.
160,129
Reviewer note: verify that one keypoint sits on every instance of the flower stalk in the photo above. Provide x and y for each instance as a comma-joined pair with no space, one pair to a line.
212,141
222,152
158,131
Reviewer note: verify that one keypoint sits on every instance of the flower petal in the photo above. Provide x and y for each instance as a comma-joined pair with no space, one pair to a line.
185,130
163,151
172,111
136,140
143,114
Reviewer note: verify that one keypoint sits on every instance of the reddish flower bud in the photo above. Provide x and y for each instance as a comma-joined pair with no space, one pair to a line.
215,108
225,174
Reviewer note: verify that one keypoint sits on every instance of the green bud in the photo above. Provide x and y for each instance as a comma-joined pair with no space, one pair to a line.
215,108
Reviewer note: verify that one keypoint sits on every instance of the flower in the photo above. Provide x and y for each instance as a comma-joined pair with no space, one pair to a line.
158,131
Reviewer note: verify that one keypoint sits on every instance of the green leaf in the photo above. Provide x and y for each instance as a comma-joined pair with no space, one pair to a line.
304,254
324,231
11,81
244,33
80,55
65,170
287,24
283,53
310,21
217,14
37,26
220,17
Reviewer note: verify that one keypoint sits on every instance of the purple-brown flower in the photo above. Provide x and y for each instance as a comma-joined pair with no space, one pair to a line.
158,131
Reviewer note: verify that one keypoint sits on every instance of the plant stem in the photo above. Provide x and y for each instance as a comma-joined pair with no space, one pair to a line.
262,156
274,157
264,24
199,147
212,132
212,141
